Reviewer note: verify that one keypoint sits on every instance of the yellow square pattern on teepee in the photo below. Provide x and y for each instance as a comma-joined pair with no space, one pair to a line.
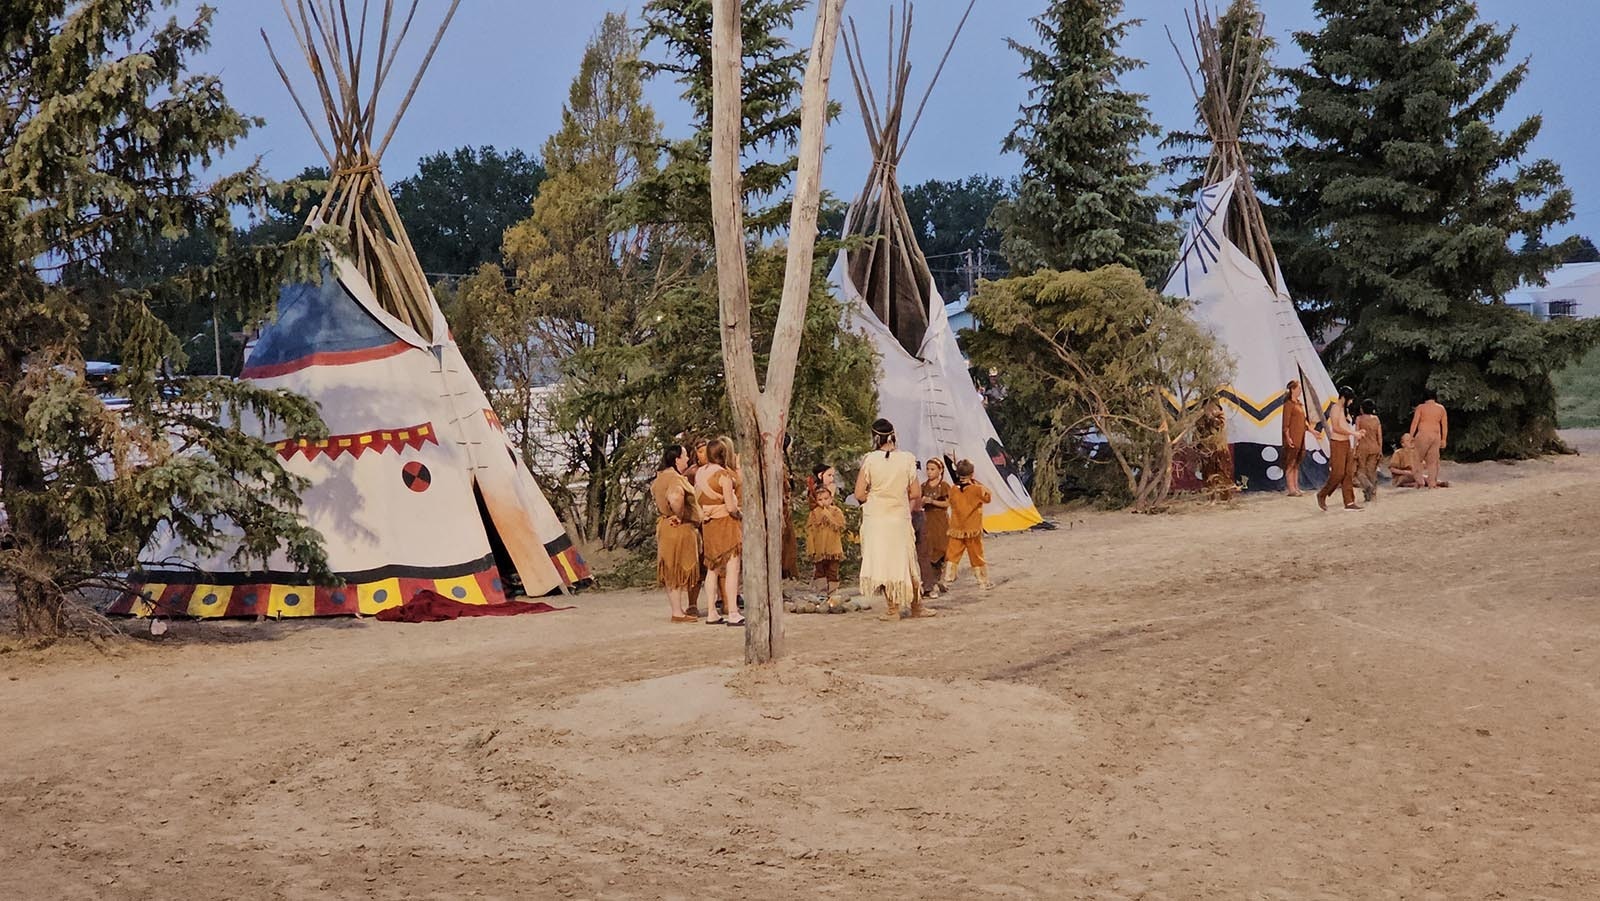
144,604
292,600
465,589
375,596
210,600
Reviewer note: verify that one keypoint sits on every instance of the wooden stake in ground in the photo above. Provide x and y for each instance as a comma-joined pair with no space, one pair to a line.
760,413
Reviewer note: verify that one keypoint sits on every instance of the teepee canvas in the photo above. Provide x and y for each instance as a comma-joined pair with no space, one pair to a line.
416,486
924,387
1228,269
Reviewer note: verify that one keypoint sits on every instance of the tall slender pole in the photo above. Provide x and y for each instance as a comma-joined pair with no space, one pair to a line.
216,338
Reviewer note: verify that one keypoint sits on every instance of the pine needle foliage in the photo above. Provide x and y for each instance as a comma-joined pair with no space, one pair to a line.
834,396
679,31
103,134
1262,131
1406,202
1083,198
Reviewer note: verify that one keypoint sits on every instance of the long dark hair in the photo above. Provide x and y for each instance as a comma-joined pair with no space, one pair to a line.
882,434
669,457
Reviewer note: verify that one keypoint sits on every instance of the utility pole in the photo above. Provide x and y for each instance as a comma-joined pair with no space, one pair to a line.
216,338
971,282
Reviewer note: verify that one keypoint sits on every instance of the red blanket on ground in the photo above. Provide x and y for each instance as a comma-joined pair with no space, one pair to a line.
428,606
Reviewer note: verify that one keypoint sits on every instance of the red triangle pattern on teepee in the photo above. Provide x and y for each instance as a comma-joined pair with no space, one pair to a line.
378,441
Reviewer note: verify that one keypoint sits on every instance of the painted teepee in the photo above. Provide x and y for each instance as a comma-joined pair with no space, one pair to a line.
1227,267
924,385
417,486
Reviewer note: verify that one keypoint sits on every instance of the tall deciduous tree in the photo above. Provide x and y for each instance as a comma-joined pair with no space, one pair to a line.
459,204
102,133
761,410
572,332
1406,201
952,222
1083,199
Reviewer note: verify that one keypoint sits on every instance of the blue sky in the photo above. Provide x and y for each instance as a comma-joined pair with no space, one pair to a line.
501,76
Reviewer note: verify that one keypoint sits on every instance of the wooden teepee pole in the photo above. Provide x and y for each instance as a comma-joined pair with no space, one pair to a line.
1228,79
334,44
891,264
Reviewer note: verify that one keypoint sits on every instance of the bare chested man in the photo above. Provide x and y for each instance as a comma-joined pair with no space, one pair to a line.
1430,429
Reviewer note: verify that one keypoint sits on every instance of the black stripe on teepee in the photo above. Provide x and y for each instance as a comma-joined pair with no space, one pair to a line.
283,577
1259,414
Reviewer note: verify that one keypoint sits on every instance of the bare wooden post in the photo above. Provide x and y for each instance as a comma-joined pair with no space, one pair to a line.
761,413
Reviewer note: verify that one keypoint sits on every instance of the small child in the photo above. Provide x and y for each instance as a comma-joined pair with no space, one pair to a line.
825,539
1369,449
967,498
822,476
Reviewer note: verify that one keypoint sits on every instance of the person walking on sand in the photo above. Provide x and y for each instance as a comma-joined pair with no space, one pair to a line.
886,488
1342,436
677,532
1369,449
1430,429
967,498
1294,438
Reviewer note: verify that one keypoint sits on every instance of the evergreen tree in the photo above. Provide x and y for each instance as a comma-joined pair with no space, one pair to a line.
103,132
1262,132
1578,249
1405,203
1083,200
772,75
835,395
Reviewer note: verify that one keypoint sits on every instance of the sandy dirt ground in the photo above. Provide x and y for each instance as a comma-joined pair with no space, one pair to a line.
1263,701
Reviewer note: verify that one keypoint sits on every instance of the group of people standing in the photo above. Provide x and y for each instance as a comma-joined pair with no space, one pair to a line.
699,535
915,530
1355,446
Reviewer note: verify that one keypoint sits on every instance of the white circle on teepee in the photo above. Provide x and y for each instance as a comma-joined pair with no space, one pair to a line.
1319,456
1274,472
1269,454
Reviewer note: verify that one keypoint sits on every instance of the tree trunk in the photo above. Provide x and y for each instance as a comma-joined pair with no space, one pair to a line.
41,607
761,414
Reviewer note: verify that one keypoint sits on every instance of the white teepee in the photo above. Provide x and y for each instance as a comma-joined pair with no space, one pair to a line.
417,486
1228,269
924,387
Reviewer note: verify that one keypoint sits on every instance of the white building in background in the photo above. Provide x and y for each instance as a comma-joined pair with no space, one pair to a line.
960,318
1573,292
